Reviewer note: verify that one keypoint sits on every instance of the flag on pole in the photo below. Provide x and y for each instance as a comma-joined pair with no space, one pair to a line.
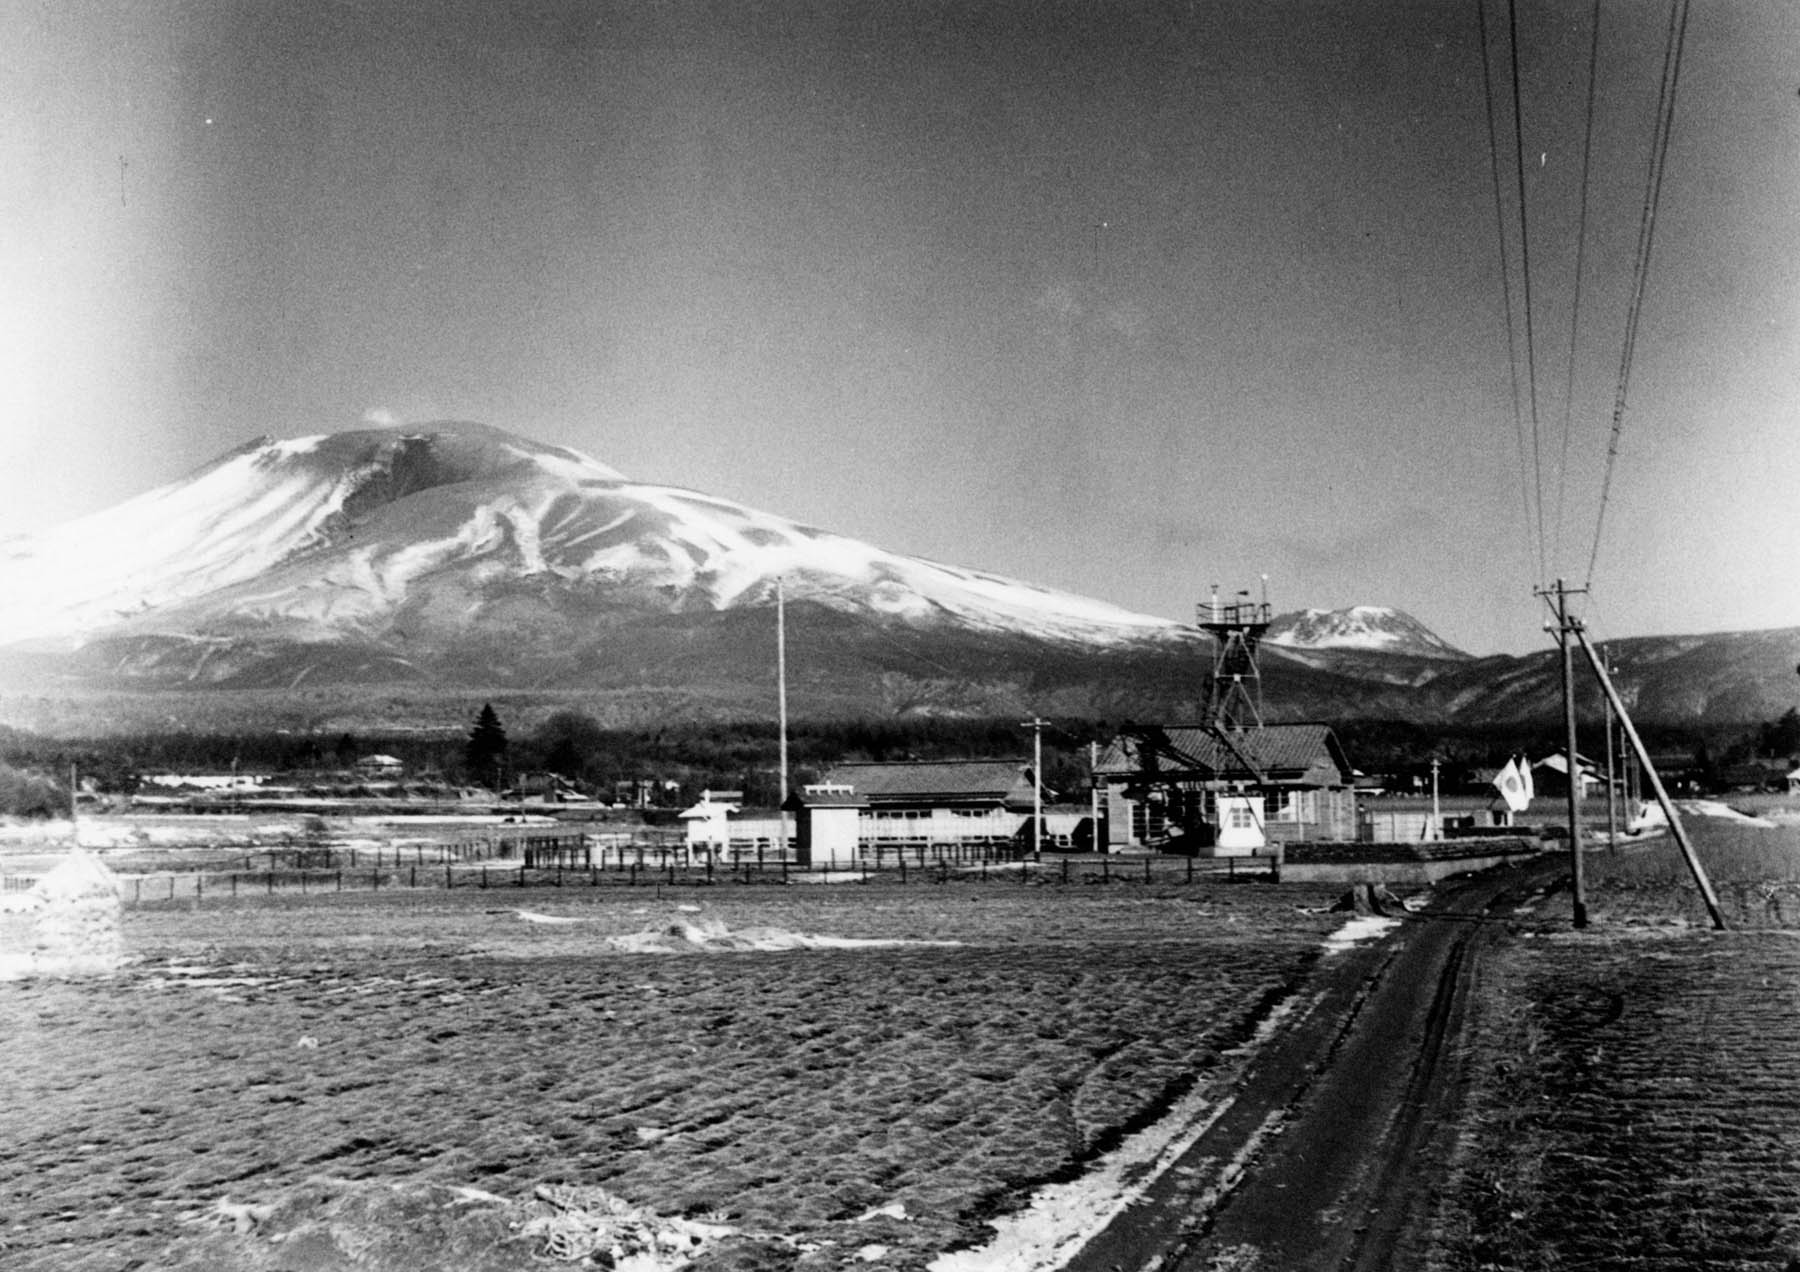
1514,786
1525,780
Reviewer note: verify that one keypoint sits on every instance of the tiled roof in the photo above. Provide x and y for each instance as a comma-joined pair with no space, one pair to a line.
1278,749
936,780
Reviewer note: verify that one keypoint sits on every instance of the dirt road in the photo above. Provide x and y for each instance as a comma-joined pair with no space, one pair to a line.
1330,1149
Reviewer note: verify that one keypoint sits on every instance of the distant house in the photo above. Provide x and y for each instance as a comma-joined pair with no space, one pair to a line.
206,781
1550,777
1222,792
548,788
939,801
379,766
708,822
1755,774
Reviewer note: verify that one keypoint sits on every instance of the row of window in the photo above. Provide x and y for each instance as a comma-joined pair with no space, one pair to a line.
919,814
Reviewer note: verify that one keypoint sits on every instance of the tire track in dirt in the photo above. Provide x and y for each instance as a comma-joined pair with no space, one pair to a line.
1326,1155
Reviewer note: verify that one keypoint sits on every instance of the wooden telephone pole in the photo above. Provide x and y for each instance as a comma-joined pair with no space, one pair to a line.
1567,626
1570,632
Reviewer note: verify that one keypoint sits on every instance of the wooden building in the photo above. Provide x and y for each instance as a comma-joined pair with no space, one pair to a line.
940,801
829,814
1221,791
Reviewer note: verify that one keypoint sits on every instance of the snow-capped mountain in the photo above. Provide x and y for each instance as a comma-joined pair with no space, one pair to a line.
414,537
457,558
1375,628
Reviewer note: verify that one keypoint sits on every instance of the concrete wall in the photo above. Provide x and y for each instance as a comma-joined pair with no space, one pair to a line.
1399,863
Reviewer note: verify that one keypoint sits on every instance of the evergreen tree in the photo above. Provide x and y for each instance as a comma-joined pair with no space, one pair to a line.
486,751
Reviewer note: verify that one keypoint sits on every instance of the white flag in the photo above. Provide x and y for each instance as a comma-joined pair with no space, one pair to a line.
1525,780
1513,786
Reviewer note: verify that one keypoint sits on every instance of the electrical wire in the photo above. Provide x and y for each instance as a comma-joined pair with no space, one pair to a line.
1537,450
1512,341
1665,116
1587,152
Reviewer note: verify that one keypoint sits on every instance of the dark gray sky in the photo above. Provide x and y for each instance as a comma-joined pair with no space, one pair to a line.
1126,298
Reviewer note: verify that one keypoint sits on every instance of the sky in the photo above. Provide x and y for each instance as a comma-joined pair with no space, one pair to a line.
1119,297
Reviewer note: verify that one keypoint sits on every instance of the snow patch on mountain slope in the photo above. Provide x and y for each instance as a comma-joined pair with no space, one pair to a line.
224,525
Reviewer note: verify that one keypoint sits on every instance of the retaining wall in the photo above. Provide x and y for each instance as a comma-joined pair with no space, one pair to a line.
1416,863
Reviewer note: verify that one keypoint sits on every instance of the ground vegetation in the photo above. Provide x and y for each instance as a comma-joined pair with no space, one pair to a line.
1632,1102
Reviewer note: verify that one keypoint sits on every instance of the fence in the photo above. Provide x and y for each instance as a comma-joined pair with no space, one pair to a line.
551,862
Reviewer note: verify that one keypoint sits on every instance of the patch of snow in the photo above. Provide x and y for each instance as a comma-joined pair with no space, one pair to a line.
1061,1218
1713,808
712,936
1366,927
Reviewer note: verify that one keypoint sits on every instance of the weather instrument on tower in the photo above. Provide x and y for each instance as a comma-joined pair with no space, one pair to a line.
1234,693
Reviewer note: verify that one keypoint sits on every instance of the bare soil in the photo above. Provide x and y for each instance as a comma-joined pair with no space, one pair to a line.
291,1083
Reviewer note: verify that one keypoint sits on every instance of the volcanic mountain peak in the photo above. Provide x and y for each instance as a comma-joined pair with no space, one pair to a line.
393,532
1378,628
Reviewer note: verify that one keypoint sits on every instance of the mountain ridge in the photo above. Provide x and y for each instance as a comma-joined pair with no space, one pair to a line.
462,558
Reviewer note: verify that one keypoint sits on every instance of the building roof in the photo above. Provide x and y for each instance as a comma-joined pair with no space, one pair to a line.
1308,754
938,781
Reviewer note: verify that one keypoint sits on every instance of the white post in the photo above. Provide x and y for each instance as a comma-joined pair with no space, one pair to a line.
781,696
1437,817
1037,790
1094,796
1036,726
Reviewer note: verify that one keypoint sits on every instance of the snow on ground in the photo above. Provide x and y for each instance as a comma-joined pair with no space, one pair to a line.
712,936
1713,808
1062,1218
1367,927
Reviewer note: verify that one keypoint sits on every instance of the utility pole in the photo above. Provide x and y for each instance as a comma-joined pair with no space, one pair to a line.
781,703
1036,726
1567,627
1612,785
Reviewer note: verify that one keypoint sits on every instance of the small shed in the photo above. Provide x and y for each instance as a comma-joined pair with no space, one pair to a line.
709,821
828,817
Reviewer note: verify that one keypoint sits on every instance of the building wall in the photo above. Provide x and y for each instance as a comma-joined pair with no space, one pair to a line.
882,826
828,836
1290,814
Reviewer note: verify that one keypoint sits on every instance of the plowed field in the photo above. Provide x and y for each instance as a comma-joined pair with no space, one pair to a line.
305,1058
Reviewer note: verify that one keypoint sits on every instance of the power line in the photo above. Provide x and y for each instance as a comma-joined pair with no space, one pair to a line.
1659,148
1537,453
1512,342
1587,151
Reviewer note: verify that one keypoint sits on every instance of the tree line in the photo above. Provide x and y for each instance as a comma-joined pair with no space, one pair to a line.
744,755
